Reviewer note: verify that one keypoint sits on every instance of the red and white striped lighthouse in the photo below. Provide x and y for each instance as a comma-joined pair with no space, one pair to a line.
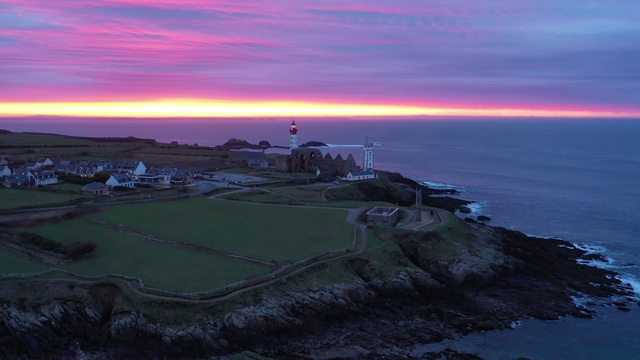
293,136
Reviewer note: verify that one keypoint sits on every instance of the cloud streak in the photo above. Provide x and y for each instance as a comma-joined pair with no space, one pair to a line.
581,55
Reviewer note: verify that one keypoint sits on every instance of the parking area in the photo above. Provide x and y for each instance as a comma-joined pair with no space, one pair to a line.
222,176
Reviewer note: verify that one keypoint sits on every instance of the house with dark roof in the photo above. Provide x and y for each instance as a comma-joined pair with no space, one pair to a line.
360,175
45,178
17,181
92,167
156,176
182,177
96,188
131,168
66,167
120,180
43,163
29,166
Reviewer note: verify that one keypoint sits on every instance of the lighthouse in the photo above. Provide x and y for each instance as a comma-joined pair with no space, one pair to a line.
368,156
293,136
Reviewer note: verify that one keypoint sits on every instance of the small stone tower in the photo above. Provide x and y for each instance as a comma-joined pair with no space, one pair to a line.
293,136
418,216
367,164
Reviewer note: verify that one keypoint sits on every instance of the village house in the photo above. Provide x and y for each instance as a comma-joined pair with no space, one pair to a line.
29,166
156,176
4,161
182,177
44,163
45,178
121,180
66,167
131,168
96,188
16,181
360,175
4,171
91,167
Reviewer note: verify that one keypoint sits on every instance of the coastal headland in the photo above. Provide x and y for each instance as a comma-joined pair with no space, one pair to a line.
277,267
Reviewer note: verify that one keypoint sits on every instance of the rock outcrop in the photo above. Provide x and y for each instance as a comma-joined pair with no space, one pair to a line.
484,280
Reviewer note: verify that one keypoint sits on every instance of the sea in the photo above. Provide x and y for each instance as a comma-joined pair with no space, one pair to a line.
572,179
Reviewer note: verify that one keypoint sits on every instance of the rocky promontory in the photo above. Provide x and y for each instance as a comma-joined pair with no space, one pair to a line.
421,287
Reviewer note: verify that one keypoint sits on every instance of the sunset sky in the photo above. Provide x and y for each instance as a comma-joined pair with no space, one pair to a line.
324,57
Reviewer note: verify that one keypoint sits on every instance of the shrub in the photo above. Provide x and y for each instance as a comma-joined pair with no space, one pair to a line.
76,250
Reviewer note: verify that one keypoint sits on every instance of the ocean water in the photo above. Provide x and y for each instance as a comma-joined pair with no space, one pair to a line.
577,180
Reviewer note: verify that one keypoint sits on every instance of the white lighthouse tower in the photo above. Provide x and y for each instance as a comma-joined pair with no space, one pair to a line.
367,164
293,136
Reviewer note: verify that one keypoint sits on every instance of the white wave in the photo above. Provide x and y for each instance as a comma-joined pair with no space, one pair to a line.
632,281
441,186
475,207
549,237
590,249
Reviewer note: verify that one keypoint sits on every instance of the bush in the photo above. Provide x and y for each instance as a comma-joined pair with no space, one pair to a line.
41,242
76,250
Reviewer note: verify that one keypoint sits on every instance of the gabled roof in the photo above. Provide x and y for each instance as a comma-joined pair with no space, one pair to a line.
121,178
94,186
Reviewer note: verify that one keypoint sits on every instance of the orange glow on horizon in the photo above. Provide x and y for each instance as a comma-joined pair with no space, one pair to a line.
230,109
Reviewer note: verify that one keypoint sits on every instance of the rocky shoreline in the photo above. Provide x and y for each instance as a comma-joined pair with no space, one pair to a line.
498,277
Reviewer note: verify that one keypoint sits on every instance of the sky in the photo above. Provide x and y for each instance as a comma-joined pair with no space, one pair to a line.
320,58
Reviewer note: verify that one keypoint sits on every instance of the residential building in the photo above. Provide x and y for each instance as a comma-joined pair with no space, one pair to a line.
121,180
96,188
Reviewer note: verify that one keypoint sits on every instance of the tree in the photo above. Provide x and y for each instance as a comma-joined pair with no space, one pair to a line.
264,144
101,176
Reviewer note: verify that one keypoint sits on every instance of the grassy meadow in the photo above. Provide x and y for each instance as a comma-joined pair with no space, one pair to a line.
18,198
262,231
12,263
162,266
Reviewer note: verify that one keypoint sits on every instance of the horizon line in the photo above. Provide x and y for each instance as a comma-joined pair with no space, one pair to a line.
198,109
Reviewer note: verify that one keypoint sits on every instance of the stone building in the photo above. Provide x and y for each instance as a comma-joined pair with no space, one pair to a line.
382,216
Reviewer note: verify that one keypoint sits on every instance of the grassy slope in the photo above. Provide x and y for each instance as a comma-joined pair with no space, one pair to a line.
11,263
162,266
15,198
265,232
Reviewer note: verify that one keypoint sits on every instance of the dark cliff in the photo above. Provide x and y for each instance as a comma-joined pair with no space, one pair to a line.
420,287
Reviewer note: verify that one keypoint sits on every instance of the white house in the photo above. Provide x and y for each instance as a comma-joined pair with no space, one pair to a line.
131,168
120,180
5,171
363,175
46,178
43,162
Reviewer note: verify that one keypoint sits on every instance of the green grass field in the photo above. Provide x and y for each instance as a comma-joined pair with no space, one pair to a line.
158,265
11,263
262,231
17,198
67,186
307,193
